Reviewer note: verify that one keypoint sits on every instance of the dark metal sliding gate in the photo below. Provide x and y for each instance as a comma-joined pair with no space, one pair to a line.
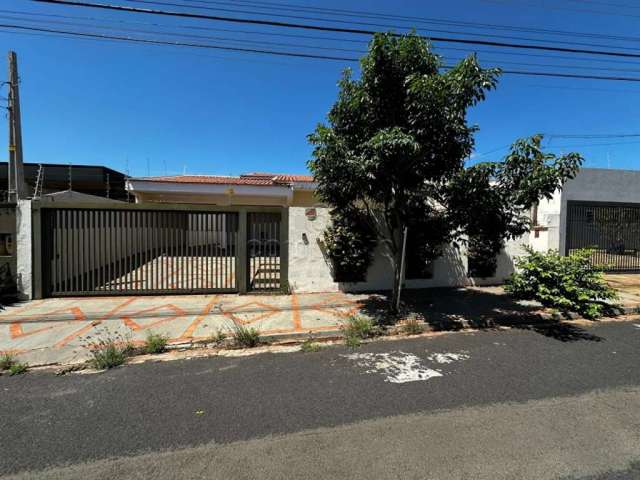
611,230
263,251
125,251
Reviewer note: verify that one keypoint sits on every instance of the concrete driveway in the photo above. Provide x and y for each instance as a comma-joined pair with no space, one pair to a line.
60,330
628,287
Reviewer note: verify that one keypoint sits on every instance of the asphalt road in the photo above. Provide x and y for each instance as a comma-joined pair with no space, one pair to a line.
559,403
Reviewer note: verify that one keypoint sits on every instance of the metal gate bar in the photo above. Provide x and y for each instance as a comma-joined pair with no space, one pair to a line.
263,251
612,231
121,251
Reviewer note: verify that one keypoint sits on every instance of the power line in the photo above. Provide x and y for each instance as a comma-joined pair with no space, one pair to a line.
290,54
593,135
290,35
183,44
186,35
412,19
545,6
275,23
333,49
368,24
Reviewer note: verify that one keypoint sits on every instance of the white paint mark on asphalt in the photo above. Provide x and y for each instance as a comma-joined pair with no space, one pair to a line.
397,367
637,325
448,357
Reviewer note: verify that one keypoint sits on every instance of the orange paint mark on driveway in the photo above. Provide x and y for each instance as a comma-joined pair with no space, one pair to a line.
188,333
94,323
295,312
133,325
16,330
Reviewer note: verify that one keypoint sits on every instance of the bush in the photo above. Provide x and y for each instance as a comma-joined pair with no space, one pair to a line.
349,242
245,337
155,343
357,328
109,353
6,361
567,283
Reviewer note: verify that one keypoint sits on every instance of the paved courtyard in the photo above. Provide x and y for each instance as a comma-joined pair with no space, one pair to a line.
60,330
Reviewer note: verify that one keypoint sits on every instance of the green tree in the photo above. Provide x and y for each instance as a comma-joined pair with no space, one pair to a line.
395,147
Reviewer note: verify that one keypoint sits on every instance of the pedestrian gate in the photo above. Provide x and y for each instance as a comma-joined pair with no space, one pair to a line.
611,230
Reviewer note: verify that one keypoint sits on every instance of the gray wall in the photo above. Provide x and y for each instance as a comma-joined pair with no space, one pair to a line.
598,185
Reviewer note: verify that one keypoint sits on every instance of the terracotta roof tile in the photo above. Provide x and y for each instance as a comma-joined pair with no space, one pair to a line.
208,179
261,179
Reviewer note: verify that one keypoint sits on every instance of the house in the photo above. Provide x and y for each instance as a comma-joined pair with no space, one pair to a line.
264,232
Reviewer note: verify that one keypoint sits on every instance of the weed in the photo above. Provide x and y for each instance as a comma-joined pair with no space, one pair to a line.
352,341
108,354
218,337
360,327
155,343
412,325
18,368
6,361
245,337
309,345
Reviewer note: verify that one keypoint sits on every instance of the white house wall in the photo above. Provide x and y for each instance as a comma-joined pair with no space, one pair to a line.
309,270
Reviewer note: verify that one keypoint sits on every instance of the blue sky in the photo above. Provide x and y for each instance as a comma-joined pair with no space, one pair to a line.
156,109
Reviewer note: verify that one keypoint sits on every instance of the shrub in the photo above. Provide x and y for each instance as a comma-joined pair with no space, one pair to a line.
6,361
568,283
309,345
356,328
155,343
245,337
109,353
412,325
17,368
349,243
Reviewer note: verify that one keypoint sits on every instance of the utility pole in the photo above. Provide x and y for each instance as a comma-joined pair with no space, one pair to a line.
16,168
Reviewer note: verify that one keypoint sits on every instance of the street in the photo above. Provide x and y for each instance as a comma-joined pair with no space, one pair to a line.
543,403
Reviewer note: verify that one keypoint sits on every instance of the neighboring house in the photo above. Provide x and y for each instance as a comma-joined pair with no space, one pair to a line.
90,179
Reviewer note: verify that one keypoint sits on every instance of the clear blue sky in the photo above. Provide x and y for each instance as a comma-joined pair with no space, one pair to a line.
157,110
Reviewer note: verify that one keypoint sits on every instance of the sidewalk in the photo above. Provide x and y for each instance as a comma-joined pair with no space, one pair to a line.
59,330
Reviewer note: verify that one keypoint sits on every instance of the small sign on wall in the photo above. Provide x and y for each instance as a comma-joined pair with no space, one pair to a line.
311,214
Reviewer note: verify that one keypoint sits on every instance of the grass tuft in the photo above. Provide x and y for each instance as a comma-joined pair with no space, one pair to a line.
412,325
109,353
245,337
309,346
219,337
6,361
155,343
18,368
357,328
